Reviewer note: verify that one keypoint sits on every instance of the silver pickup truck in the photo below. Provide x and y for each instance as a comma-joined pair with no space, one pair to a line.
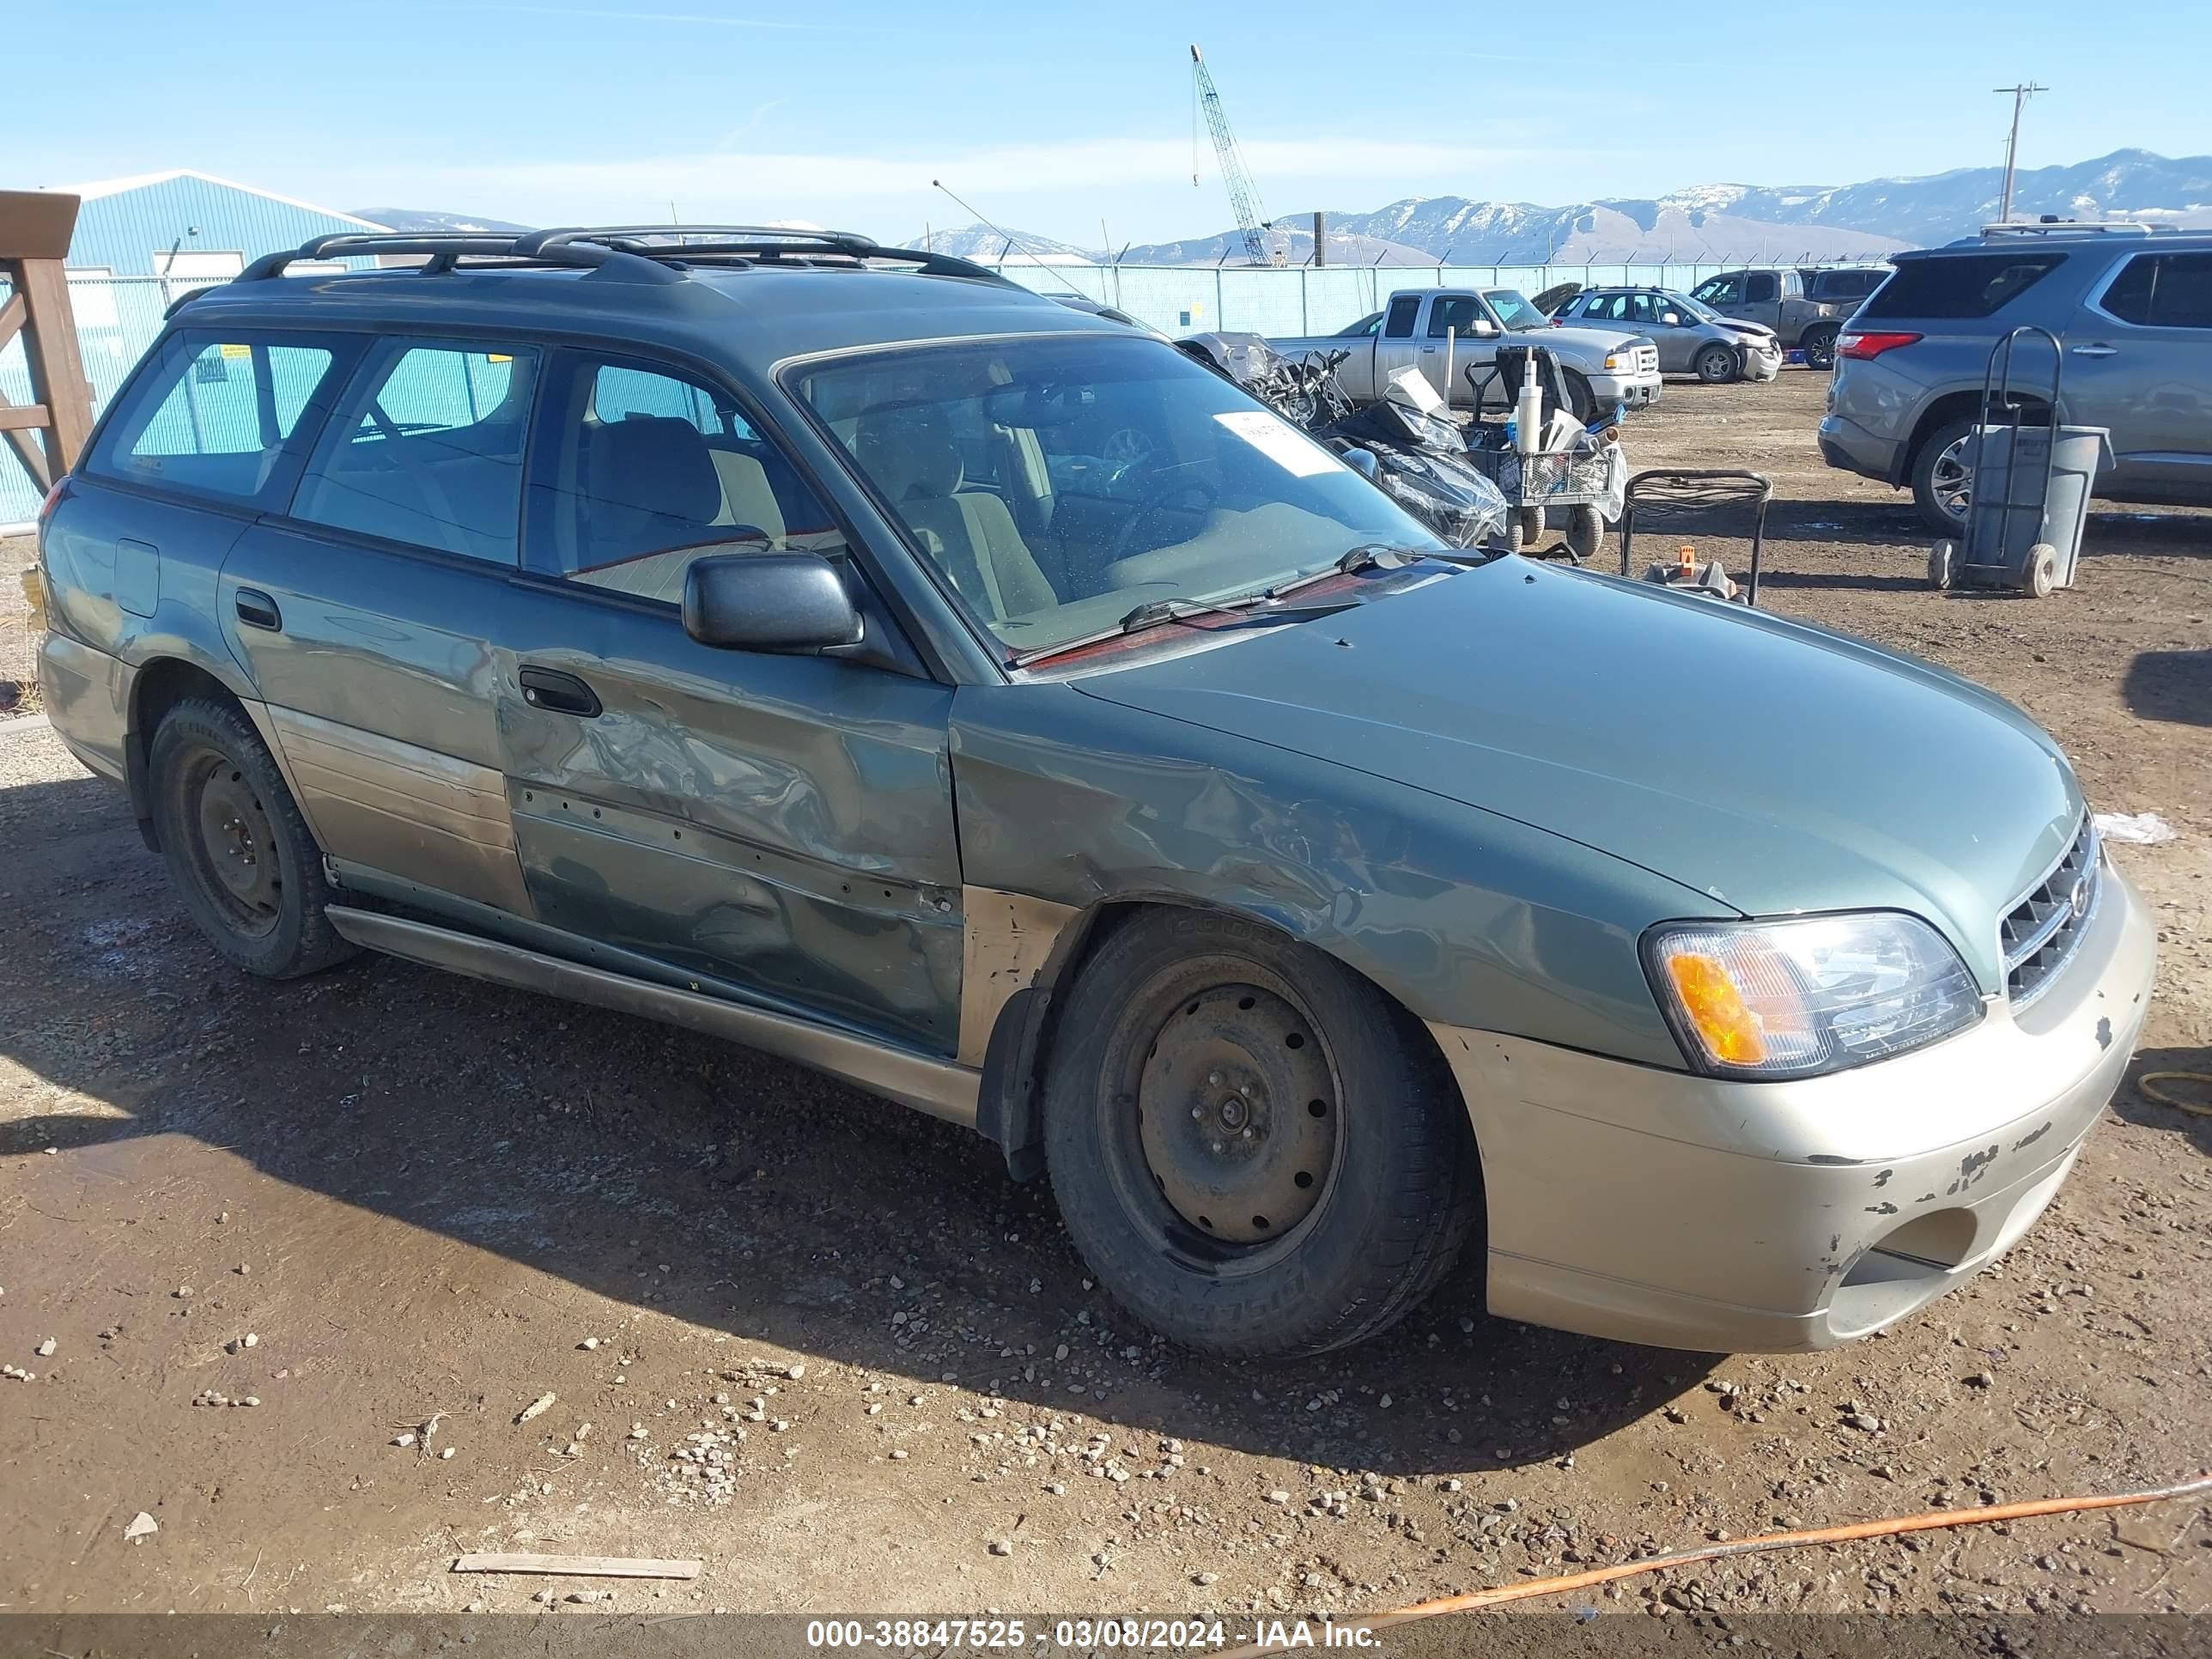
1440,331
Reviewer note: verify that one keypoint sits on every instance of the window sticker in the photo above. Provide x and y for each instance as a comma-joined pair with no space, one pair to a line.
1279,441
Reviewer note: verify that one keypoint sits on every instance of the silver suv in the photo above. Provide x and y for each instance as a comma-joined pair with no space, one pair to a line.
2132,309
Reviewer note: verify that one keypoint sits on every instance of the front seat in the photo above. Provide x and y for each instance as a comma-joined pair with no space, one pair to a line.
908,449
650,484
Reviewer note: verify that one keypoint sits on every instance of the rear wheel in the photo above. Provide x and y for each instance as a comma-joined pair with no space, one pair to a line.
239,853
1256,1151
1819,348
1585,532
1942,479
1717,365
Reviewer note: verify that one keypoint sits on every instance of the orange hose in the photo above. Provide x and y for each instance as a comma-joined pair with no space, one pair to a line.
1927,1520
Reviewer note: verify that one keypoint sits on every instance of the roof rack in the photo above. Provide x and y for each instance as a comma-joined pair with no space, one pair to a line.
2050,226
635,253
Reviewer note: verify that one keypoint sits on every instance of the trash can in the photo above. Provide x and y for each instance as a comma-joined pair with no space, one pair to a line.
2005,521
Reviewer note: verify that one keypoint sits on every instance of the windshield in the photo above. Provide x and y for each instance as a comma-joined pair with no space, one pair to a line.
1697,308
1058,484
1514,310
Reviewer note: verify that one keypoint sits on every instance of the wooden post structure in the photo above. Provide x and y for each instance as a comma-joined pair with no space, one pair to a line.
35,227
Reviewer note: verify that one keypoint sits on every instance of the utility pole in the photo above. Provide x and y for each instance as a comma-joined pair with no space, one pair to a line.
2021,94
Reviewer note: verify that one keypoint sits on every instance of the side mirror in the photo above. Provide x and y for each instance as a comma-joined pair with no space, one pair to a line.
792,603
1483,329
1672,318
1363,462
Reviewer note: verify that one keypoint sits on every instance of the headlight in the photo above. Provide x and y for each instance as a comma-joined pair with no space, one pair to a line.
1795,999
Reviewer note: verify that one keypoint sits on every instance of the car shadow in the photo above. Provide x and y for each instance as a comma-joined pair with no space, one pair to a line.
693,1178
2138,1105
2175,686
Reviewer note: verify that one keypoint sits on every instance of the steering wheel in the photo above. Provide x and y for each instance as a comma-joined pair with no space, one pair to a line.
1158,501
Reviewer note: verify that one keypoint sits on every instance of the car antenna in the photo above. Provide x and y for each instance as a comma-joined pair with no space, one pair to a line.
1010,241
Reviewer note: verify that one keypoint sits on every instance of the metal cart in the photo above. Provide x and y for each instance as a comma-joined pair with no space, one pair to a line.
1687,501
1577,485
2029,492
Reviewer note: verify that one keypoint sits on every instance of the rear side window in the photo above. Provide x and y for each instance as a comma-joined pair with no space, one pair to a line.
425,447
1403,311
1761,285
2163,290
1961,285
211,416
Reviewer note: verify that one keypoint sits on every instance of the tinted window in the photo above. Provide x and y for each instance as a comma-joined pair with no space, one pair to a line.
211,416
1365,326
1843,284
645,471
1403,313
425,447
1605,307
1955,285
2163,290
1456,314
1761,285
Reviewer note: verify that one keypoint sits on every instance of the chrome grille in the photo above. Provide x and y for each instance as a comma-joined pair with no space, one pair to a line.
1647,359
2041,932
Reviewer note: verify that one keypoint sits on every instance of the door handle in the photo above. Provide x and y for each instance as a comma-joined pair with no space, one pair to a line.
549,688
1428,349
256,609
2096,351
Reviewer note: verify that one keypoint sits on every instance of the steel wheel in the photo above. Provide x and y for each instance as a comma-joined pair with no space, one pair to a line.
234,852
1238,1115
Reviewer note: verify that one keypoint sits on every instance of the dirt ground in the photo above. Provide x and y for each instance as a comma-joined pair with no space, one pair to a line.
828,1348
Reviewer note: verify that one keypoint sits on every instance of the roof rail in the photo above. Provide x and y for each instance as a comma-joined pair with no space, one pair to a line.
646,253
2076,227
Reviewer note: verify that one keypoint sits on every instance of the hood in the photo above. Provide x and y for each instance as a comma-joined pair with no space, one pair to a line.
1776,766
1757,332
1597,340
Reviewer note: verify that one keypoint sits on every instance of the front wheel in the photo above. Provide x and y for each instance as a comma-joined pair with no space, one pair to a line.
240,855
1717,365
1257,1153
1524,528
1581,402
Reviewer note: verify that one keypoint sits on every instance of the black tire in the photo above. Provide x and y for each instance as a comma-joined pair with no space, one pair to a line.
1585,532
1581,402
1182,1017
1931,489
1943,565
1717,365
240,855
1819,345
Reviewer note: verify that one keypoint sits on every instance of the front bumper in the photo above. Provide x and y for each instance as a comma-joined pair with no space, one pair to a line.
1634,391
1761,365
1657,1206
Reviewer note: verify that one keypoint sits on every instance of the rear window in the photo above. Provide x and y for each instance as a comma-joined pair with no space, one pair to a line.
1960,285
211,416
1843,284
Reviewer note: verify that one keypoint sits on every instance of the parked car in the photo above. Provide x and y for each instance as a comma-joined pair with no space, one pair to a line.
1806,310
1421,328
847,652
1691,338
2133,310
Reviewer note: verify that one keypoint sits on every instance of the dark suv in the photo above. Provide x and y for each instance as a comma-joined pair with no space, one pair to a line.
842,650
2132,310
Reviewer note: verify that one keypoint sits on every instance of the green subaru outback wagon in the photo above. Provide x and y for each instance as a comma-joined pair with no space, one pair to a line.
849,653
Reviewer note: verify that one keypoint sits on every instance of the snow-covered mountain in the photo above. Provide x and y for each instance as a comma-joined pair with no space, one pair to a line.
1710,223
988,246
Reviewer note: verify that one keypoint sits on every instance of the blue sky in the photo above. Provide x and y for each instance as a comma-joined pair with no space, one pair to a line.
1052,118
